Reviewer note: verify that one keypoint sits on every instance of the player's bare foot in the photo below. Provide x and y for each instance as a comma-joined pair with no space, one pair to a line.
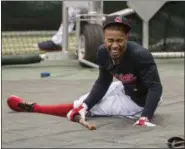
17,104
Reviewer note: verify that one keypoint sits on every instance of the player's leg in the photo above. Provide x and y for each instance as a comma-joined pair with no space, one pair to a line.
17,104
55,44
104,107
58,37
116,103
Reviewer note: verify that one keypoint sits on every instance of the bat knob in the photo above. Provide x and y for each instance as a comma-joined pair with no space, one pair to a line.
92,127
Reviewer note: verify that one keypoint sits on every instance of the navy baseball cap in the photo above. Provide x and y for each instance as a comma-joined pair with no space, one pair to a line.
117,19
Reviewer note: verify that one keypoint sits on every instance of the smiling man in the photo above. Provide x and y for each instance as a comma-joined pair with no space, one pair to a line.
140,89
136,94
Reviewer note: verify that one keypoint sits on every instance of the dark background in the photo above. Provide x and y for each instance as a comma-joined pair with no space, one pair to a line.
166,28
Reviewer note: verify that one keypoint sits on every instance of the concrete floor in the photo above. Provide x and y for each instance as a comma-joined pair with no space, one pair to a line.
68,81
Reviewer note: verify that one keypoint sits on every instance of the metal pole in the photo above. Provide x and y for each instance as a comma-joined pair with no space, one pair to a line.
78,32
145,34
97,6
101,7
168,54
90,6
125,12
65,27
88,63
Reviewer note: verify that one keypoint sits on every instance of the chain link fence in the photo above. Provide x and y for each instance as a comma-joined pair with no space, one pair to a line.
26,23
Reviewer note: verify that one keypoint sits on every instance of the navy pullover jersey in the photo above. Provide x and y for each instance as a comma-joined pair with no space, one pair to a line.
138,73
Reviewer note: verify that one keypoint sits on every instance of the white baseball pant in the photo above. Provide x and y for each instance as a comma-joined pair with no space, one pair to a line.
114,103
58,37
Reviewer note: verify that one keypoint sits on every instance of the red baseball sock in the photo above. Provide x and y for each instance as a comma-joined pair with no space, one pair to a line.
57,110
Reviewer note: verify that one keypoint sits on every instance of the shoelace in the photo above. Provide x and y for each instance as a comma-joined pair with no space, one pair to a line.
26,106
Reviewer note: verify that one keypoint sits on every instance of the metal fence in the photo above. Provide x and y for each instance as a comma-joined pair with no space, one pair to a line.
166,28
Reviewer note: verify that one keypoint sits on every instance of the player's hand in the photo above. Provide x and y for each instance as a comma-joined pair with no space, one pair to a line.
81,110
143,121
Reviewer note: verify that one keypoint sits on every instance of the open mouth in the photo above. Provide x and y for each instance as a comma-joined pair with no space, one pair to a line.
115,53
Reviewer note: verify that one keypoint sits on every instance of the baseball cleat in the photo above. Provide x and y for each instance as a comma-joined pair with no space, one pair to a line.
49,46
17,104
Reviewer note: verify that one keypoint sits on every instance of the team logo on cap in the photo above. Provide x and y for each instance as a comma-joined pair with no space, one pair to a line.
118,19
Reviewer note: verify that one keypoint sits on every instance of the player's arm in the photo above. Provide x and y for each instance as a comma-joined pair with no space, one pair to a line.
99,88
97,92
103,82
148,71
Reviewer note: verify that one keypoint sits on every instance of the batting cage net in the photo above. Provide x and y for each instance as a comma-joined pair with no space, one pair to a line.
26,23
24,26
23,42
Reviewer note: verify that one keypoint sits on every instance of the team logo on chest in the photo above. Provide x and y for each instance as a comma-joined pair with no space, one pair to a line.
126,78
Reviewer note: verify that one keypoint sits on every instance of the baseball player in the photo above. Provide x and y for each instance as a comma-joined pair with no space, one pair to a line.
56,41
136,94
